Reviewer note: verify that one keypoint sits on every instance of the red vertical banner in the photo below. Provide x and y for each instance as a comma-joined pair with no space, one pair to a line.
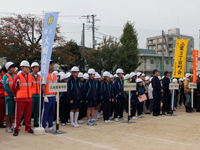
195,64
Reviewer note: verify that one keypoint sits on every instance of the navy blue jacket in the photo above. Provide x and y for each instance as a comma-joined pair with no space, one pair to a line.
111,90
98,86
119,88
91,90
133,93
156,84
74,89
140,89
105,91
165,84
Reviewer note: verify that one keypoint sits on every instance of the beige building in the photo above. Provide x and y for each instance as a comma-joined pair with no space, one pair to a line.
157,43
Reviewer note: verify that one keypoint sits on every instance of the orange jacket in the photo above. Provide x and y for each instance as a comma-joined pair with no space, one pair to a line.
50,80
10,82
36,85
25,90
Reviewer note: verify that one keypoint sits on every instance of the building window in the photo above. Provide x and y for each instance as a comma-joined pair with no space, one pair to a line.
167,62
152,61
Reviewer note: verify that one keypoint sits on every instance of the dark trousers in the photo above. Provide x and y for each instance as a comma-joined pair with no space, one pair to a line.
118,108
151,105
166,101
81,112
198,103
63,111
84,109
156,104
147,101
112,108
135,107
106,109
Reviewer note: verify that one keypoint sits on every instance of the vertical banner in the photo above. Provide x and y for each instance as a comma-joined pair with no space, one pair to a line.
49,29
195,64
180,58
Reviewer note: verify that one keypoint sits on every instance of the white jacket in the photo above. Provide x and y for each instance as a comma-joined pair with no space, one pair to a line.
150,91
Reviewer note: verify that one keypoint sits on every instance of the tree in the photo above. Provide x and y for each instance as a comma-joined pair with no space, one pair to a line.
129,59
68,55
18,41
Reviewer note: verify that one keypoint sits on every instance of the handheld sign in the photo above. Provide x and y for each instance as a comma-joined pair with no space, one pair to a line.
173,86
129,86
57,87
192,85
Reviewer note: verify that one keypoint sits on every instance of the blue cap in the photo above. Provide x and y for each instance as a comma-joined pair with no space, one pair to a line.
166,72
155,70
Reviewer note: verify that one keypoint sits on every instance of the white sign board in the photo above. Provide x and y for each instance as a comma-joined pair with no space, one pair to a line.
57,87
192,85
174,86
129,86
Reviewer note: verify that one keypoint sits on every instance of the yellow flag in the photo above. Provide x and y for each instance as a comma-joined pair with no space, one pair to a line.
180,58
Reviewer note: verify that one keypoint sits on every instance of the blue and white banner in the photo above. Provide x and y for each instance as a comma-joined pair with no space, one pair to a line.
49,29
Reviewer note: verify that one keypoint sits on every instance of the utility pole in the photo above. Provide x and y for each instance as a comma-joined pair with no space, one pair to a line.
32,34
163,53
83,37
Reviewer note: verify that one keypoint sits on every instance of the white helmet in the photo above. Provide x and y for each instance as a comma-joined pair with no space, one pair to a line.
180,79
188,75
132,74
63,76
106,74
119,71
34,64
24,63
127,76
86,76
61,73
111,76
19,72
56,72
0,67
146,78
159,77
97,76
16,69
69,74
175,80
115,75
91,71
75,68
143,75
80,75
8,64
139,80
138,74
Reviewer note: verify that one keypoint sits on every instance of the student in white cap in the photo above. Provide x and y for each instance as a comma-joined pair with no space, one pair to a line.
16,71
187,92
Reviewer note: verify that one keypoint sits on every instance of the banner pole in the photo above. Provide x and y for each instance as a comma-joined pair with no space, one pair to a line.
192,104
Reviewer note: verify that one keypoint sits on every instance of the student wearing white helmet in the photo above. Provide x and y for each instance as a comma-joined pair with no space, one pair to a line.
74,95
22,88
143,77
112,93
106,97
49,99
80,117
91,95
64,105
16,71
35,91
127,78
187,92
119,95
139,75
9,96
146,86
150,95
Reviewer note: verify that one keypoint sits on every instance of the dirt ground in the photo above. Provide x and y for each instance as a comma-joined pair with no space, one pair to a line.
150,133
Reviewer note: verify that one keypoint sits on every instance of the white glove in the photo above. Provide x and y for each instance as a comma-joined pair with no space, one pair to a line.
46,99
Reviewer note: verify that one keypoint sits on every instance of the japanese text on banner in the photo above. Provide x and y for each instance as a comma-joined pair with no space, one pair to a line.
49,29
180,58
195,64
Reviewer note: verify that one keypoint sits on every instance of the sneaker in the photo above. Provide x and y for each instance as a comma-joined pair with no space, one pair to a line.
80,121
123,118
116,119
67,123
63,124
109,121
72,124
76,125
106,121
2,126
15,133
134,118
94,123
52,129
139,116
9,130
111,118
90,123
85,118
12,128
142,115
47,129
30,131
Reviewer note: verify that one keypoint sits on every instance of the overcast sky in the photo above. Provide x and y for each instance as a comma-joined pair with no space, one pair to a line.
150,16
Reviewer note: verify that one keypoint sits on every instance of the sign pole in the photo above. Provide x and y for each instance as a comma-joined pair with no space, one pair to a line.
57,117
129,106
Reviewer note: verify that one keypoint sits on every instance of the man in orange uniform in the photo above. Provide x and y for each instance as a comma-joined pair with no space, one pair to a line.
3,71
22,87
35,92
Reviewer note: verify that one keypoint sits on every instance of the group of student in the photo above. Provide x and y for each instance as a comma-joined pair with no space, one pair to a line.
87,94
